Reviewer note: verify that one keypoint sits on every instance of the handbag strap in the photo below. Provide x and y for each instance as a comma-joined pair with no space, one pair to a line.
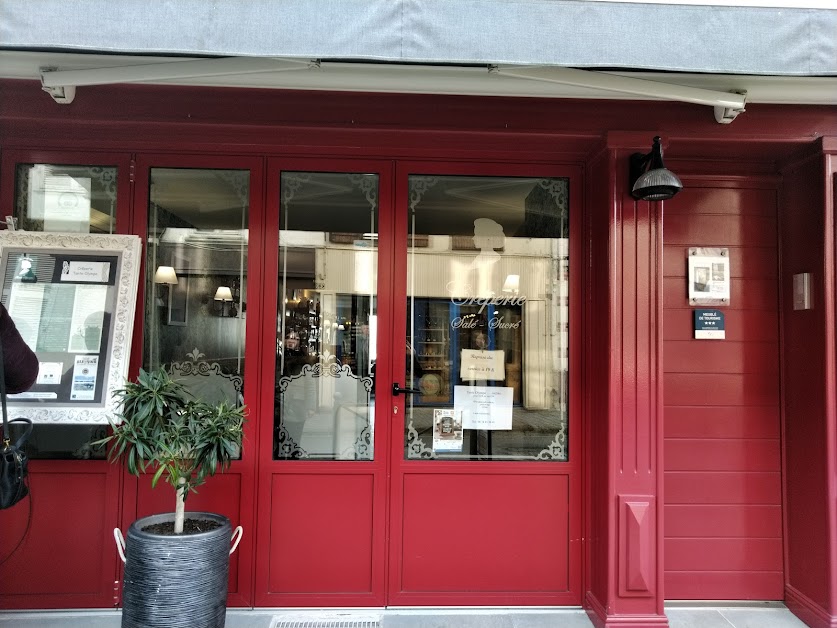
7,437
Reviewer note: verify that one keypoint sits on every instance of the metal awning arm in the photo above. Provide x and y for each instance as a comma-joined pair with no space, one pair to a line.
61,84
727,104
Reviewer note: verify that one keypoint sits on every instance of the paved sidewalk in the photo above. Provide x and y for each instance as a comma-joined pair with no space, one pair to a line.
758,616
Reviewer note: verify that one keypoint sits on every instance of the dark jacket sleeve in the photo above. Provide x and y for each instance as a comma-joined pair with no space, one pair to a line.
20,364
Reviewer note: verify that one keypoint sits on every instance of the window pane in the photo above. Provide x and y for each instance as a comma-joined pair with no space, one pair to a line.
488,318
65,198
327,321
196,279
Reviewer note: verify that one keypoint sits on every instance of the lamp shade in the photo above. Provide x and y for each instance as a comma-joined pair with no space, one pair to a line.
660,184
165,274
223,293
650,179
512,283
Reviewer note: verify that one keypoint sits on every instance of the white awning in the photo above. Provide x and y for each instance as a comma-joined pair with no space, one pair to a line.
680,50
674,36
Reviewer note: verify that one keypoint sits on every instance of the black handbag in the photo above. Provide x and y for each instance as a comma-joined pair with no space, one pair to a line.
13,459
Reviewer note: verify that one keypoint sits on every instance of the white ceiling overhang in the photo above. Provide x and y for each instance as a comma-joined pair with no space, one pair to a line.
683,50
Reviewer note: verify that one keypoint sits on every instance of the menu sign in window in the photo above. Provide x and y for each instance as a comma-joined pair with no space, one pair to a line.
484,407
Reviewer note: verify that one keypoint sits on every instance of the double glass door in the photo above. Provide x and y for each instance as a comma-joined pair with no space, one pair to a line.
418,448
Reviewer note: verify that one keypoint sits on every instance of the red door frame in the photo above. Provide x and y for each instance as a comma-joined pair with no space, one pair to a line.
238,501
270,468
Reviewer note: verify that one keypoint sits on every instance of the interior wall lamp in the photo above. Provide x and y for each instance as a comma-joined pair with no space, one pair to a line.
166,276
512,284
223,302
650,180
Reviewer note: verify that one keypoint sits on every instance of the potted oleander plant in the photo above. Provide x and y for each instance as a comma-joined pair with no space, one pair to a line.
177,563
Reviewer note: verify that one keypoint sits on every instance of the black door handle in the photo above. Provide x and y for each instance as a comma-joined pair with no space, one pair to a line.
396,390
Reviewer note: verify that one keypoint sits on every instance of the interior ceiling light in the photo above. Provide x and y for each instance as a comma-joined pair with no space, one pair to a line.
650,179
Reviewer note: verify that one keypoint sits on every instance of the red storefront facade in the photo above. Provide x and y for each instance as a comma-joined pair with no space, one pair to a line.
684,469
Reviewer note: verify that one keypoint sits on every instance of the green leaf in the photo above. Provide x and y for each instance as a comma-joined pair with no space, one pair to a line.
161,424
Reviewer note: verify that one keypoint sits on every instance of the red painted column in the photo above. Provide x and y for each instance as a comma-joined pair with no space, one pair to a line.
624,388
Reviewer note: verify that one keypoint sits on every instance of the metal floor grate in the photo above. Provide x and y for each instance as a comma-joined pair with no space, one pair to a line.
330,621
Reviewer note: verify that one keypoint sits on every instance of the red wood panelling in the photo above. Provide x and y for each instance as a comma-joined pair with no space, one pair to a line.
163,115
722,422
716,585
320,534
734,454
68,556
716,487
721,201
724,554
454,521
722,389
723,517
729,357
708,229
729,520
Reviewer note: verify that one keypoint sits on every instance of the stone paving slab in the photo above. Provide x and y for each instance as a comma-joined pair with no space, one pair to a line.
679,617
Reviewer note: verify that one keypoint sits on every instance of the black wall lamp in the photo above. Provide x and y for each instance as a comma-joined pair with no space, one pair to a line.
650,180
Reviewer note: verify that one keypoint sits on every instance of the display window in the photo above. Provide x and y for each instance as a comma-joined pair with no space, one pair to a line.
488,317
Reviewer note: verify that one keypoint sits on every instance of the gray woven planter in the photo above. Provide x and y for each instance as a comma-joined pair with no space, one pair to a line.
176,581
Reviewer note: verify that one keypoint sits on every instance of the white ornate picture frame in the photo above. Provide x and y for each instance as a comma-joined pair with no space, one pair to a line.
73,299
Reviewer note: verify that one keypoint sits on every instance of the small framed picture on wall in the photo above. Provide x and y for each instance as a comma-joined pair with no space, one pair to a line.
178,300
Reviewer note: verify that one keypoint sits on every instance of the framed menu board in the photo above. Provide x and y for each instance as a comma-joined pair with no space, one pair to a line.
72,298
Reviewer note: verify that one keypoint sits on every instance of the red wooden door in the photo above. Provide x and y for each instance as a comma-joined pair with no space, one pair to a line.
69,479
322,498
195,214
419,449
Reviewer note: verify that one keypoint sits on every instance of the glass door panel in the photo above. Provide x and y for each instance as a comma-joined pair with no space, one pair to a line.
487,352
326,332
196,279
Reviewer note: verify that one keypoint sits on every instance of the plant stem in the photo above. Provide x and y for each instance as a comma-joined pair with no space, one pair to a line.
180,507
